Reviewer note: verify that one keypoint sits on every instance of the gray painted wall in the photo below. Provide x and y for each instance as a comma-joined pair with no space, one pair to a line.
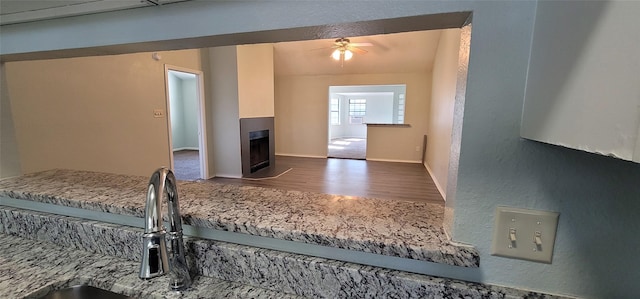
597,197
225,118
9,156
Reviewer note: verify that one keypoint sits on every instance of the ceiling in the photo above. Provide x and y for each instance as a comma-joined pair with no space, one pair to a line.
391,53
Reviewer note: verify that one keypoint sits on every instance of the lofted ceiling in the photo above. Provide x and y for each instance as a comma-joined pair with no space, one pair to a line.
390,53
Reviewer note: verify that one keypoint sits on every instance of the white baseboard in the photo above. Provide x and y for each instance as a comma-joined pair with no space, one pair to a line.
301,156
435,180
186,148
396,161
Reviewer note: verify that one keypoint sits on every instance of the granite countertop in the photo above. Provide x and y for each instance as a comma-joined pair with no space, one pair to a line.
396,228
30,269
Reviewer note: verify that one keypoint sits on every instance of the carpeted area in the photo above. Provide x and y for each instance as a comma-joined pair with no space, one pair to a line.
186,165
348,148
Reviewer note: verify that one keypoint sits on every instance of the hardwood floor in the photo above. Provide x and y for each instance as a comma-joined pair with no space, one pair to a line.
386,180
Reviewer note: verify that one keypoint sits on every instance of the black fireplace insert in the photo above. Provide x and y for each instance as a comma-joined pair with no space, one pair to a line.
258,150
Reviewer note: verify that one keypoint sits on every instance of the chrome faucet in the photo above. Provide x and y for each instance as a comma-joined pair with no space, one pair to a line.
156,258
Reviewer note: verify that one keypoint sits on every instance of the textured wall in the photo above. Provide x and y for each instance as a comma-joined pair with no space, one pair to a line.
597,196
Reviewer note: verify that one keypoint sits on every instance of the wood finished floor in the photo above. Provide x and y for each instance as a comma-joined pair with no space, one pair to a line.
386,180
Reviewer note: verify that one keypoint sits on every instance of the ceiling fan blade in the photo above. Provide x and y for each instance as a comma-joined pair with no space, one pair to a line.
358,50
322,48
361,44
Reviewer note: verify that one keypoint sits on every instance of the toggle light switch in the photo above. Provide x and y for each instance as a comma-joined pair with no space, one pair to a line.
537,239
512,237
524,234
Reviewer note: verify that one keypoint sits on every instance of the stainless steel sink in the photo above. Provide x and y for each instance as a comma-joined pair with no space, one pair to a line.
83,291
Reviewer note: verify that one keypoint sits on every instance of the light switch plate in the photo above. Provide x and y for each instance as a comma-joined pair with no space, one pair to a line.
157,113
516,231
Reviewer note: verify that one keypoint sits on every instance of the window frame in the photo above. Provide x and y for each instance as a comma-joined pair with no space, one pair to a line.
357,110
334,114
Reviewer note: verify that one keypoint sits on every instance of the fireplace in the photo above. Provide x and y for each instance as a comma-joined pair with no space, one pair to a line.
258,150
257,146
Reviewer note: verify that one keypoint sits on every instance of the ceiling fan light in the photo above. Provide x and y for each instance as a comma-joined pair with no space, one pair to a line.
336,54
347,55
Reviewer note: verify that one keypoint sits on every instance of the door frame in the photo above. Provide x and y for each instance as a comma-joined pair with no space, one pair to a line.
202,128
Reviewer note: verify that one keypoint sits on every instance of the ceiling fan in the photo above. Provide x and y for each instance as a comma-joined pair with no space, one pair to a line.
344,49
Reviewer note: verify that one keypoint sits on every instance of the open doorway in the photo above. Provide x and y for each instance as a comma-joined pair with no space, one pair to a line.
186,123
351,108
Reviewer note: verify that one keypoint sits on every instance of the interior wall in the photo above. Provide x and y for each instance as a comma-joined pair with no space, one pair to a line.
443,95
190,113
176,113
184,112
597,196
93,113
379,109
302,116
9,157
225,115
255,80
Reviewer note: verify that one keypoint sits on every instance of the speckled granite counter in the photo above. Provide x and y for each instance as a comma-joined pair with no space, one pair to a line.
29,269
265,269
395,228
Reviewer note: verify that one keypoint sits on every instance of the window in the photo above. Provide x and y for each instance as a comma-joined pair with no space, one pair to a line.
335,111
357,110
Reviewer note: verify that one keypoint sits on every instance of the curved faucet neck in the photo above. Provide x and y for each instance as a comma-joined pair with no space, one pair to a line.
162,184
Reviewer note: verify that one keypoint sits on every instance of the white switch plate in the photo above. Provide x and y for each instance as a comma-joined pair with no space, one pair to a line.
526,224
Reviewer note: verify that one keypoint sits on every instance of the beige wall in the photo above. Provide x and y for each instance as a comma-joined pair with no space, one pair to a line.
255,80
93,113
301,111
441,113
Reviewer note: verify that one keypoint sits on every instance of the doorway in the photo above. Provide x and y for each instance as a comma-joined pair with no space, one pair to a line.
351,108
185,118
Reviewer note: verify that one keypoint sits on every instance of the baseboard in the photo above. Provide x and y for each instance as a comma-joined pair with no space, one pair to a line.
435,181
186,148
395,161
228,176
300,156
